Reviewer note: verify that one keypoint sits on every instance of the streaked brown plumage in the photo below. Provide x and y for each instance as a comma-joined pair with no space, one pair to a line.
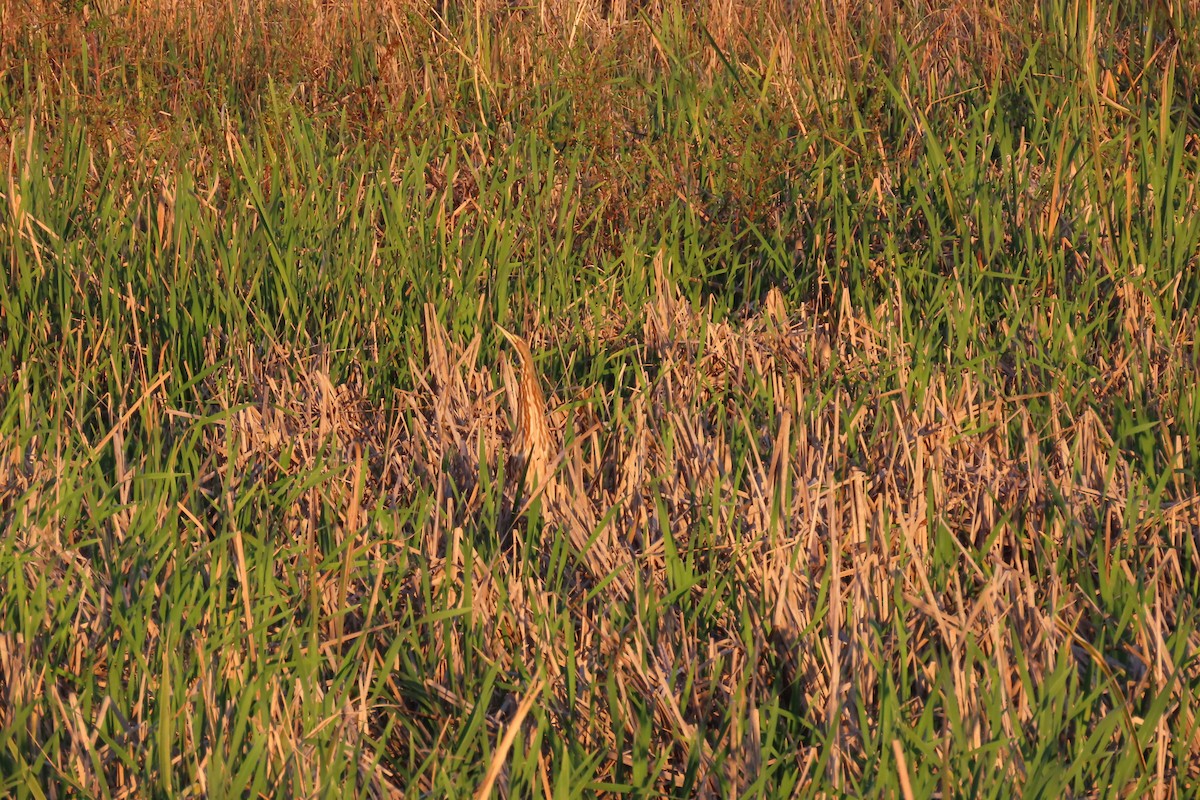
532,443
534,449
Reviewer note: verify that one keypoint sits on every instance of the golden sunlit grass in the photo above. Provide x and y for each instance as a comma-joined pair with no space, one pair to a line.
575,399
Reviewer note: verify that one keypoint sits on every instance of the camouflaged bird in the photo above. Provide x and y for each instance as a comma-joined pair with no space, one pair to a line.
536,451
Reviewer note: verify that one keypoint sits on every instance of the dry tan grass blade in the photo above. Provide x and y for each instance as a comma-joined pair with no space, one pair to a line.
510,735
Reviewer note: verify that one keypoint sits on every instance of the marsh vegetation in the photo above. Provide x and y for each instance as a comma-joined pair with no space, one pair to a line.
847,441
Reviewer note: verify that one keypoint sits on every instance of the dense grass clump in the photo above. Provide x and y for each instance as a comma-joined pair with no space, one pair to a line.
844,439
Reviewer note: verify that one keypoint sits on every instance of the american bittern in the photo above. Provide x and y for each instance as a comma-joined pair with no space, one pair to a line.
566,503
532,445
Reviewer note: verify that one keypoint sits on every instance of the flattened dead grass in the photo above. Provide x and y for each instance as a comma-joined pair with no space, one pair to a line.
635,481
